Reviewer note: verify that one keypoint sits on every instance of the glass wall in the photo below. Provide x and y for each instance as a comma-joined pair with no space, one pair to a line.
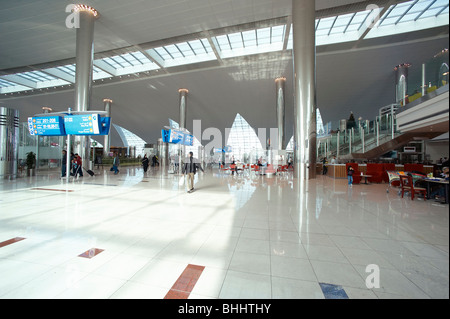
244,143
48,149
424,79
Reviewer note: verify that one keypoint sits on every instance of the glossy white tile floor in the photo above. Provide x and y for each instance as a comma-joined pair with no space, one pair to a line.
257,237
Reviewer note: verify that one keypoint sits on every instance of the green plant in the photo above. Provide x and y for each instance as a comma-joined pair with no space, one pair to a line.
31,160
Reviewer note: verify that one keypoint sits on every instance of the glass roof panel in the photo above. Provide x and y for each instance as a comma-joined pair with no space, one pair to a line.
193,51
5,83
411,16
36,76
407,17
249,38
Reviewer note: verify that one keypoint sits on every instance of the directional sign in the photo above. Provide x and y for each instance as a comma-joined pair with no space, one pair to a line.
177,137
46,126
87,124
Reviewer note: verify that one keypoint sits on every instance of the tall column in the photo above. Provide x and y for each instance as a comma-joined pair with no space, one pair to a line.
9,142
280,85
304,57
84,67
107,140
401,82
183,105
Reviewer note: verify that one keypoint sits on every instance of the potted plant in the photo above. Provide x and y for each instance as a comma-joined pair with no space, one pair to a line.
30,162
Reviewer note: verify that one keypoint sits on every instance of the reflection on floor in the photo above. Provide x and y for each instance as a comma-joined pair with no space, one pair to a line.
133,236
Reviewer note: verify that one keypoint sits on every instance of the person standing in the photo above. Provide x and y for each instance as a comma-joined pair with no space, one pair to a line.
64,163
190,168
324,166
116,163
350,176
145,163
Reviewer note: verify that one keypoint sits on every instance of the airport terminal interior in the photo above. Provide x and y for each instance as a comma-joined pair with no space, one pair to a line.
232,149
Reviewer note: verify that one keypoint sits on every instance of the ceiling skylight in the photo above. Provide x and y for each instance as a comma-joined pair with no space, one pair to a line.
404,17
411,16
189,52
251,42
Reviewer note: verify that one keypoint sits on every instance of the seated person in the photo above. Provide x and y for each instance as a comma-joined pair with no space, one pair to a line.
440,190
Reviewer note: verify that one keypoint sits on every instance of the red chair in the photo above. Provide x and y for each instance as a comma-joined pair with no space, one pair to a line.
376,170
388,167
255,168
356,172
407,184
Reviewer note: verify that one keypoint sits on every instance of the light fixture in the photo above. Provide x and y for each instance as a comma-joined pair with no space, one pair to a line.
403,65
85,8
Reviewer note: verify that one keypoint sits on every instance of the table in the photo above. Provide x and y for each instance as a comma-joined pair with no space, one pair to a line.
428,181
365,178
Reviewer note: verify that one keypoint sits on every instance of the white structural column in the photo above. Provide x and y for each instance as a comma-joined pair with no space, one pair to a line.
304,57
401,82
280,85
84,68
107,140
183,105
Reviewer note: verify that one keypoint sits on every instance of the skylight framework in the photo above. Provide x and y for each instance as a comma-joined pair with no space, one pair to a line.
194,51
256,41
127,63
411,16
372,22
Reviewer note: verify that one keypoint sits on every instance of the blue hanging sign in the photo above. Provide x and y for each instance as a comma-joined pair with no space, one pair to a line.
105,125
177,137
46,126
87,124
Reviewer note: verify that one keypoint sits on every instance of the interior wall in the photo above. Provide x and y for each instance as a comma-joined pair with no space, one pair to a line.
437,150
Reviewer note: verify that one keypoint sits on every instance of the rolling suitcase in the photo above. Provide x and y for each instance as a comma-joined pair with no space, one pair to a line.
89,171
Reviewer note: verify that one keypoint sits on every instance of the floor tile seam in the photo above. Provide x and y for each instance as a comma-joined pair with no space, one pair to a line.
229,263
351,264
270,268
435,246
30,280
364,279
406,249
413,283
85,274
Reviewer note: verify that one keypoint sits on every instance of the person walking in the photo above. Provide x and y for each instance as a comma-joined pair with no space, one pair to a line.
77,163
190,168
116,163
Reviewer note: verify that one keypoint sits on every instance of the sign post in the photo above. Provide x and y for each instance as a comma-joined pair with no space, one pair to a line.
68,152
